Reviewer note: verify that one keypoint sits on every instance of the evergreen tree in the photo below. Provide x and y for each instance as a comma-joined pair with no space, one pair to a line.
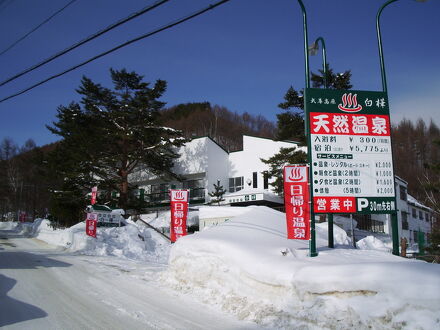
112,133
286,156
291,123
217,193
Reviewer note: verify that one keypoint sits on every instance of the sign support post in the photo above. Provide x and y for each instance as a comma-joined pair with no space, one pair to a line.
395,233
330,230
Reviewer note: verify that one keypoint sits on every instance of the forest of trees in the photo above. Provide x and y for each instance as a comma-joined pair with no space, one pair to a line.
222,125
416,152
24,183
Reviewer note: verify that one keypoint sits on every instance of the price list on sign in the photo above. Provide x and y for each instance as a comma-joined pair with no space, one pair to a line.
350,151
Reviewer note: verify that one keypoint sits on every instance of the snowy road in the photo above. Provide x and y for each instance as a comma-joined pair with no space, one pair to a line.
43,287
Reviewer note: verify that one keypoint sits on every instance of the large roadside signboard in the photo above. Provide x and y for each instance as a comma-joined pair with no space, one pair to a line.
350,151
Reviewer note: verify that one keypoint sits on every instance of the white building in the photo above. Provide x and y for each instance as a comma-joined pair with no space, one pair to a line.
203,162
413,218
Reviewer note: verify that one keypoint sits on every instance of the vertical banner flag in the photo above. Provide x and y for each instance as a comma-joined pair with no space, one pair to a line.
179,211
91,223
94,192
296,201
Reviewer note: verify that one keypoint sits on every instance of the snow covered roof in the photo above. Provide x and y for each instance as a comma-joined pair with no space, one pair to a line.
411,200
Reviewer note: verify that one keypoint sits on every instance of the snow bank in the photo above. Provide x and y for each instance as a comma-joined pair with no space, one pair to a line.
221,211
163,219
249,268
374,243
130,241
8,225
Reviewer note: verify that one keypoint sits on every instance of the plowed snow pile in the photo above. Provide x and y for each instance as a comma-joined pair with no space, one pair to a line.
249,268
131,241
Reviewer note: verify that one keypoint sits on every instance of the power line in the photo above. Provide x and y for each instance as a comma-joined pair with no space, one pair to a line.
149,34
37,27
89,38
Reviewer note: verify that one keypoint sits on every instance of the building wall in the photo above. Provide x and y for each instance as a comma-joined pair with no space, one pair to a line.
246,162
217,167
204,159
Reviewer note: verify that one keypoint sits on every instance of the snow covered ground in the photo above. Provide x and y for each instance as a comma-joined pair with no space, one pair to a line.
241,267
248,268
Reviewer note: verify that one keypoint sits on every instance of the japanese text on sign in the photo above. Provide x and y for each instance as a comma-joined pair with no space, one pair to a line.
91,224
350,150
179,211
296,202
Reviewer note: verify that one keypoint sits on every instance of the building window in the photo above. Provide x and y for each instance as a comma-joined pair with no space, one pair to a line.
404,220
414,213
427,217
254,179
196,188
236,184
416,234
420,215
265,180
364,222
193,184
403,193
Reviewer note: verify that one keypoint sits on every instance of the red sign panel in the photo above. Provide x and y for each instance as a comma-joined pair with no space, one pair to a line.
179,212
334,204
296,201
91,223
94,192
349,124
22,216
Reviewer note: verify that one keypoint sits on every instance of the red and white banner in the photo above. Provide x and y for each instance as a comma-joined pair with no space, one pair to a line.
91,223
179,212
94,192
296,201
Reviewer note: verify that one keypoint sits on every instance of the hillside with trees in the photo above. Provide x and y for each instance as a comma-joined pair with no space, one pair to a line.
222,125
416,153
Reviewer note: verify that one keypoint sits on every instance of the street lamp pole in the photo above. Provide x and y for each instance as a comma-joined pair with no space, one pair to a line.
306,43
379,41
314,49
312,242
394,220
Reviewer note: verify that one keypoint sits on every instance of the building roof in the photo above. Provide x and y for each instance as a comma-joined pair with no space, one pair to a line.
414,202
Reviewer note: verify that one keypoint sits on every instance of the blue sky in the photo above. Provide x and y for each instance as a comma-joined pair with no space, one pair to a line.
243,55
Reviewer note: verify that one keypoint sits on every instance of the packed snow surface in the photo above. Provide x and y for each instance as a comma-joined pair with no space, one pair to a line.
248,267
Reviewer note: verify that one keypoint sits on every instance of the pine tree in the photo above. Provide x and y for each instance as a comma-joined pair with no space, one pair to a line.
291,123
291,126
112,133
217,193
286,156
